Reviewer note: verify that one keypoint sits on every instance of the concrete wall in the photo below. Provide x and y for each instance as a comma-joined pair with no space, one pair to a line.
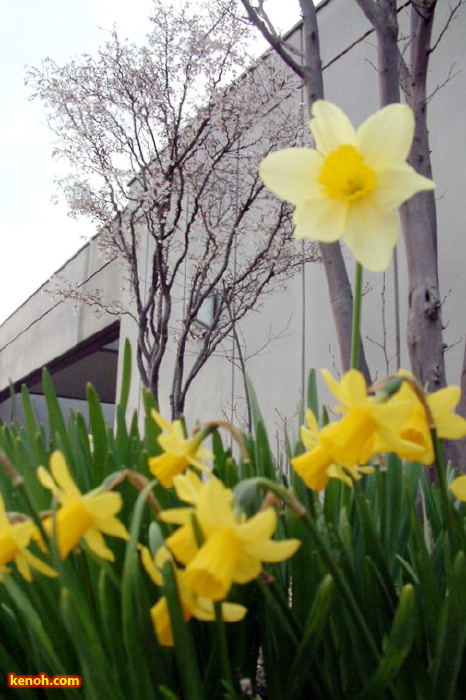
47,326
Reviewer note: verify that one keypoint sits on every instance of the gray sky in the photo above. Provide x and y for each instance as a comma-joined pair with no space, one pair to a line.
38,236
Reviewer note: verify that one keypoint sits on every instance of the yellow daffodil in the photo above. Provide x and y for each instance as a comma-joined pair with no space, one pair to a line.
352,183
458,488
182,543
417,429
178,452
234,548
192,604
367,426
312,466
88,516
14,540
318,464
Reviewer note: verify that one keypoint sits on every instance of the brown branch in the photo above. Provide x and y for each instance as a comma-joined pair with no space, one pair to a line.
272,38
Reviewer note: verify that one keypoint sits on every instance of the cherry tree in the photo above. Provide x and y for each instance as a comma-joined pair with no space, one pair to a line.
162,149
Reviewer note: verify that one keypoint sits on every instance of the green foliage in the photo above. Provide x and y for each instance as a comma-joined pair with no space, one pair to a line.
370,606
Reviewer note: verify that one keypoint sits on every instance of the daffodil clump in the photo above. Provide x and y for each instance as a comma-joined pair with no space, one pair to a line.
374,422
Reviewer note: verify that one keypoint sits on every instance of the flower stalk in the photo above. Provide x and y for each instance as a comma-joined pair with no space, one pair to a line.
357,307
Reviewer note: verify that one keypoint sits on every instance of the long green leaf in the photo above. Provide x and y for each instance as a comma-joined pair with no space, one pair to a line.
397,646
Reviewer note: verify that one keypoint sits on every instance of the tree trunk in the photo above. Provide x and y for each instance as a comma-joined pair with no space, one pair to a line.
419,223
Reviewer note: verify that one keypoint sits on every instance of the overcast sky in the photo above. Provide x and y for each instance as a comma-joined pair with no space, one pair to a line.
38,236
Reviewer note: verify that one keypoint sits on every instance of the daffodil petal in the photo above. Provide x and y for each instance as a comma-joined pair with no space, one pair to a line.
160,420
195,462
320,220
103,505
452,428
182,543
166,466
174,443
213,507
96,543
371,235
45,478
187,486
112,527
210,574
308,437
458,488
148,564
61,474
22,533
353,388
387,135
332,384
273,551
292,174
176,516
23,567
398,183
203,609
39,565
311,421
259,527
330,127
162,623
4,522
233,612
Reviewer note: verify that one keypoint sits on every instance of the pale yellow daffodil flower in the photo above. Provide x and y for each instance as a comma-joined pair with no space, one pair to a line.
352,183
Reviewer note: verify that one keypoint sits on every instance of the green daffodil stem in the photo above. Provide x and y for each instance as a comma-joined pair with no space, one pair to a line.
227,675
357,303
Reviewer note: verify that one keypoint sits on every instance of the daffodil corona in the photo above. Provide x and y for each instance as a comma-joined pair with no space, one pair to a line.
319,464
352,183
88,516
